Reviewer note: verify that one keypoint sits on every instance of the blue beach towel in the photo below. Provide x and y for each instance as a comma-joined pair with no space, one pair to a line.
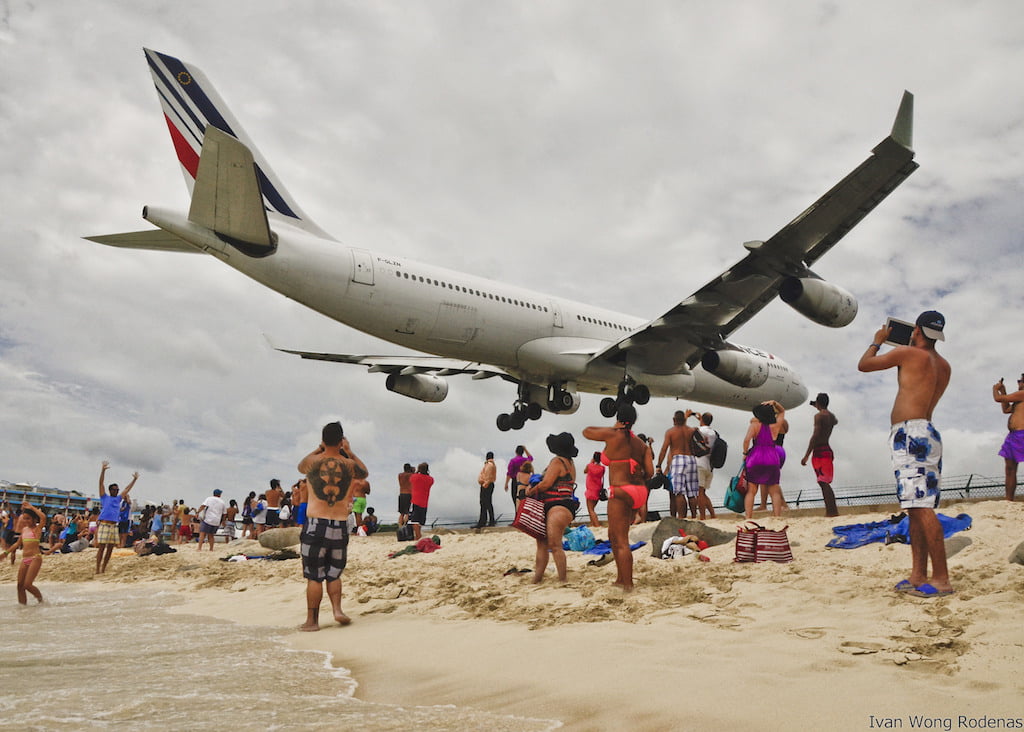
895,530
605,547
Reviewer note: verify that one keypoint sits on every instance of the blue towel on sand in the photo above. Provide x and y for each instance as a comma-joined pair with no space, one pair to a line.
895,530
605,547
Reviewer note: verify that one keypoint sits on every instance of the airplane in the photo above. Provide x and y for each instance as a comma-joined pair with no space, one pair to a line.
550,347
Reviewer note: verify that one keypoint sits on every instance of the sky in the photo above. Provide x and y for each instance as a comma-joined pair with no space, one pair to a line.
615,153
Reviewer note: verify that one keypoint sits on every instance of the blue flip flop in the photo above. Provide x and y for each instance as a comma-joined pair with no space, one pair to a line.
904,586
927,590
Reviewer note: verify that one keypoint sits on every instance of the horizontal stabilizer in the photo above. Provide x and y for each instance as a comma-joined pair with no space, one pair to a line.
153,239
226,197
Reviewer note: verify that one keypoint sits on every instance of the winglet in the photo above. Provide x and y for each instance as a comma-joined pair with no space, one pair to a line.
903,127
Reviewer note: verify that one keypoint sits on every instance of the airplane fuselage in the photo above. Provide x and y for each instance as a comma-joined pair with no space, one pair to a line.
539,339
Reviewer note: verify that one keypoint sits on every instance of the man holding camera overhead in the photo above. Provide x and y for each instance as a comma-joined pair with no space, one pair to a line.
916,446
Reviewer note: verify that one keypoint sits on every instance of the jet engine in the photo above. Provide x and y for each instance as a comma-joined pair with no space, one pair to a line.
555,398
822,302
564,402
737,367
424,387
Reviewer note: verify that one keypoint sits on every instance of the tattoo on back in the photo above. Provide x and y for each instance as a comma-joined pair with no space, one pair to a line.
330,480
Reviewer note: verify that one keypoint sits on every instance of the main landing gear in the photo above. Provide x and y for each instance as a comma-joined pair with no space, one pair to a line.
522,410
559,399
630,392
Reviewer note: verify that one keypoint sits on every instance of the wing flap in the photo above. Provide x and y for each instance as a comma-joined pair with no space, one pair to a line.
406,364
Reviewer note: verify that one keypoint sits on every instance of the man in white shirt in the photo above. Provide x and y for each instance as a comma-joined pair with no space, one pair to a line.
211,515
704,467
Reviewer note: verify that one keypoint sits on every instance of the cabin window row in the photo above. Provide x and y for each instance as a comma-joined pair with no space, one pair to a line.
470,291
605,323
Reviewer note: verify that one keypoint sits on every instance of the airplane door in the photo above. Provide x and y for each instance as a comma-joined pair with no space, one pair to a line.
556,314
455,323
362,267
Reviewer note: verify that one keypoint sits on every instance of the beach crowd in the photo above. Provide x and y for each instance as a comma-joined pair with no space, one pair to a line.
329,501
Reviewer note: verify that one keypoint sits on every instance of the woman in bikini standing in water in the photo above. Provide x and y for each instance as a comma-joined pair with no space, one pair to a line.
29,525
629,467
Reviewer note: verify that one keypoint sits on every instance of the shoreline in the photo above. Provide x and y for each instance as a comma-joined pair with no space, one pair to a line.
820,641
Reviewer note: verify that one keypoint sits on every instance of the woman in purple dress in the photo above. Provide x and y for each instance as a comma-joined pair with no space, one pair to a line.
763,466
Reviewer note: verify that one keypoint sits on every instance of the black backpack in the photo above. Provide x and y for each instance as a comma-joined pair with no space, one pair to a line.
719,451
699,444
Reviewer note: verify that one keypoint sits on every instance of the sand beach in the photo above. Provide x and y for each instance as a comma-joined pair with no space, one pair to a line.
820,643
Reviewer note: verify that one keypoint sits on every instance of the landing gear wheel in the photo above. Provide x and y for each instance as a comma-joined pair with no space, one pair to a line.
517,419
504,422
533,411
609,407
641,394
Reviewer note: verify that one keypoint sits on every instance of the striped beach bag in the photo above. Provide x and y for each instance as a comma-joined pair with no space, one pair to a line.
755,543
530,517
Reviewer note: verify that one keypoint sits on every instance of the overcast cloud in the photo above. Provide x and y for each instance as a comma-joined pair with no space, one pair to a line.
616,153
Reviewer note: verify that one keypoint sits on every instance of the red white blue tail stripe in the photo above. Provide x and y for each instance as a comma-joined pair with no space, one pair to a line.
190,103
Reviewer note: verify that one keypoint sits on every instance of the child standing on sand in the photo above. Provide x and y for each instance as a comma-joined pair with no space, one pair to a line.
29,527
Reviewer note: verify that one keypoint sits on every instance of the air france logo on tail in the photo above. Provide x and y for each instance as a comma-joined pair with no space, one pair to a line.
190,104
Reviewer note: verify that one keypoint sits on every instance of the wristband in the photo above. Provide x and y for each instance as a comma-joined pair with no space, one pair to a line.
876,345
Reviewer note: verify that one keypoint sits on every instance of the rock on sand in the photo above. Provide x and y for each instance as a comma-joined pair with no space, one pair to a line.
280,538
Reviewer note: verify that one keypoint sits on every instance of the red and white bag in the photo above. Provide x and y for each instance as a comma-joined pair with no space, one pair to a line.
755,543
530,518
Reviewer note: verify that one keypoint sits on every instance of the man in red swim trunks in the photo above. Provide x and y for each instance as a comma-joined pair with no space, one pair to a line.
820,452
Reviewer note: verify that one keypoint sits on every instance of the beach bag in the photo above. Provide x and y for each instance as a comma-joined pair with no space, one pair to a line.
285,513
754,543
580,539
735,492
530,518
719,451
699,444
405,533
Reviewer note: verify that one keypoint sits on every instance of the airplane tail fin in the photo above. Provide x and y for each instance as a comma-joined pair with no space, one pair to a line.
190,105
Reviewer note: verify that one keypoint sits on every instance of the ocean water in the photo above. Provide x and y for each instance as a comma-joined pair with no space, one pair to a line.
97,660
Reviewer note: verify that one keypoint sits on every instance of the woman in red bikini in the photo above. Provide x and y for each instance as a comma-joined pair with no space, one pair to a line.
629,467
557,489
30,525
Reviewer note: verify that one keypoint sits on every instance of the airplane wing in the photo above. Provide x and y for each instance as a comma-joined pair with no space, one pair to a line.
407,364
675,341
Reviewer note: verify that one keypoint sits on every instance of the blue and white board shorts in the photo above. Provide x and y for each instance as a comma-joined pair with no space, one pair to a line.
916,448
683,472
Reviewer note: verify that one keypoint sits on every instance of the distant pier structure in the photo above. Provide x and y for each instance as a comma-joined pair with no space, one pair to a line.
49,500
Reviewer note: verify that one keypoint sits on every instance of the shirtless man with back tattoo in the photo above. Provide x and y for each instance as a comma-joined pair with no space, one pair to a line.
330,471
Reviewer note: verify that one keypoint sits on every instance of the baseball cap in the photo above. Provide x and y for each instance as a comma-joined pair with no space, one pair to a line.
821,400
217,491
931,323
